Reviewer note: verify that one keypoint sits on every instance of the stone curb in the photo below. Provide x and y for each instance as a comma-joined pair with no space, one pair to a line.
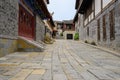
8,37
103,49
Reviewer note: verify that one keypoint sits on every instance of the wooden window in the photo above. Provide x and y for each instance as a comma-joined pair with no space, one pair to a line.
69,27
21,16
30,22
27,19
24,17
88,31
98,28
88,11
112,24
104,28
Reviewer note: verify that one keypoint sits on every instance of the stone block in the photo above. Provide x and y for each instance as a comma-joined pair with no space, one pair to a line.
39,72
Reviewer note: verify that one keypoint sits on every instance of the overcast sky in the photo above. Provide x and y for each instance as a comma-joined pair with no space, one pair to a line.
63,9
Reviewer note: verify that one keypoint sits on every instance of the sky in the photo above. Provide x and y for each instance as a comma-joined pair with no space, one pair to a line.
63,9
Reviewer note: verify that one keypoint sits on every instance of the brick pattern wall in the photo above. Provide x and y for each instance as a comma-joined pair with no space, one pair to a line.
117,24
40,29
8,26
9,17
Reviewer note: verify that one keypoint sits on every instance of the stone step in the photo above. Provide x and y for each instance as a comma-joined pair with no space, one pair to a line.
30,45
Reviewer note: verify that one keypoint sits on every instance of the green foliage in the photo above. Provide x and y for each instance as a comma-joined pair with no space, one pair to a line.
61,34
76,37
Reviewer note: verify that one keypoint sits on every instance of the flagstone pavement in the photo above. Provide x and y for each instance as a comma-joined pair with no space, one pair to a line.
63,60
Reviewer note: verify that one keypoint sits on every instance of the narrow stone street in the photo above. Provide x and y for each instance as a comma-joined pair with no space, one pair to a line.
64,60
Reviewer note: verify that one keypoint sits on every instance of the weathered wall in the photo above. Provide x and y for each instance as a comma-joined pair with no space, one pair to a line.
113,44
8,26
40,29
9,17
117,24
68,32
7,46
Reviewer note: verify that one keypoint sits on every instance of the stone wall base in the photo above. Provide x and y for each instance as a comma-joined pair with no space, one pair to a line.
7,46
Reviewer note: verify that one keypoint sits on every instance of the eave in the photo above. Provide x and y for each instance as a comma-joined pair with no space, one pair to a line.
67,22
48,2
75,17
84,5
77,4
52,22
39,7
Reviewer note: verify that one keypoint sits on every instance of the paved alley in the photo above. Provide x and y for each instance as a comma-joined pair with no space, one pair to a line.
64,60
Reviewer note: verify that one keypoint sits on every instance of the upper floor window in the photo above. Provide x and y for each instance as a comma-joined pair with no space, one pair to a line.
98,30
112,24
69,27
89,13
104,28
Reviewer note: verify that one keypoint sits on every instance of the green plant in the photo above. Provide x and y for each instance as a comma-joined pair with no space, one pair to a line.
76,37
93,43
61,34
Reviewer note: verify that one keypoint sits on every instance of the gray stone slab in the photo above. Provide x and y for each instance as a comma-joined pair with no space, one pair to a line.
48,75
3,59
87,76
59,77
101,74
30,65
33,77
63,60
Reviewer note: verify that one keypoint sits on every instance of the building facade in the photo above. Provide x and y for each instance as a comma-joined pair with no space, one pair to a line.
8,26
98,21
68,29
49,26
59,26
20,18
31,24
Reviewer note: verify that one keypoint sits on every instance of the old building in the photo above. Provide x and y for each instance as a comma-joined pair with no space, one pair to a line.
32,28
38,21
68,29
31,18
59,26
98,21
49,26
21,25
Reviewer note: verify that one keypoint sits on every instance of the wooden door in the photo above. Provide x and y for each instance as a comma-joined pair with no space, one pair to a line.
26,23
